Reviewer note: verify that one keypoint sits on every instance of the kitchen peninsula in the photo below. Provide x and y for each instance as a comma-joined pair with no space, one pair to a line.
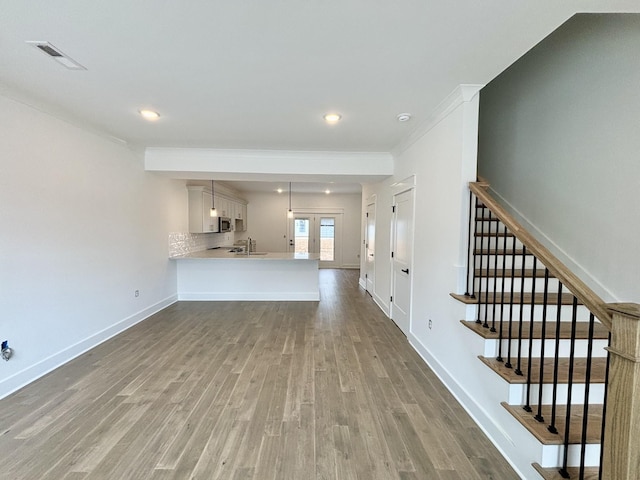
218,274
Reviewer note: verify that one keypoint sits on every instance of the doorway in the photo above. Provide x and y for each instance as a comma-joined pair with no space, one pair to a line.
319,233
370,247
401,259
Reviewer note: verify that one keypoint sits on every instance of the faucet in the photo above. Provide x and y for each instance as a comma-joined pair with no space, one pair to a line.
248,246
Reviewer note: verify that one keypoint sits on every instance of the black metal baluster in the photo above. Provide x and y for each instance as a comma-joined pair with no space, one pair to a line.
604,408
470,256
543,335
518,369
527,407
552,426
513,275
567,427
486,294
504,266
587,385
481,260
495,283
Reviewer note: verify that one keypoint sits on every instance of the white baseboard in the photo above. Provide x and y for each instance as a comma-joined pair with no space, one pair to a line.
484,421
362,282
383,305
29,374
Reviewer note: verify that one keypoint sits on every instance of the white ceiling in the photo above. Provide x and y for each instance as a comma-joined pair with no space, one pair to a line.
248,74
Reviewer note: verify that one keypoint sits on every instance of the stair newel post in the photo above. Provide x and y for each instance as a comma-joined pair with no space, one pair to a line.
622,424
481,261
470,257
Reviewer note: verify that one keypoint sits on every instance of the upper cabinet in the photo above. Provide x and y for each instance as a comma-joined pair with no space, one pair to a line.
241,217
200,219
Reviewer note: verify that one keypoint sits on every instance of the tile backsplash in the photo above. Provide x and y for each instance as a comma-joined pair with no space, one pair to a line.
183,243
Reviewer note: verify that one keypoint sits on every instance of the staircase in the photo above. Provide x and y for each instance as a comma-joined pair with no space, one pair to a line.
542,337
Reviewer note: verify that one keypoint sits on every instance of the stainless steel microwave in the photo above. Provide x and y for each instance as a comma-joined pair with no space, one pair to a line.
224,224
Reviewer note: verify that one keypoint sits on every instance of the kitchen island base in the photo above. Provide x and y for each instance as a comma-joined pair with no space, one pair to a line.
256,278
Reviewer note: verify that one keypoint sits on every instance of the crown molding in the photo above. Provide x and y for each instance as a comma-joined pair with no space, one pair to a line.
461,94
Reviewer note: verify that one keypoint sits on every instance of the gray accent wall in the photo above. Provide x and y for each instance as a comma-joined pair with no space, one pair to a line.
559,142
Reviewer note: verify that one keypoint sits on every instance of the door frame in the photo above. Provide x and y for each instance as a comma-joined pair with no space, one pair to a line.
369,267
399,188
329,212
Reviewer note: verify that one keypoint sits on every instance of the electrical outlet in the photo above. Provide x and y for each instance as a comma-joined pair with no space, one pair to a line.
136,293
430,324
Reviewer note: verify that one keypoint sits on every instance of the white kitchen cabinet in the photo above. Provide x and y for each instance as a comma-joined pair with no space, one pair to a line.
241,217
223,206
200,219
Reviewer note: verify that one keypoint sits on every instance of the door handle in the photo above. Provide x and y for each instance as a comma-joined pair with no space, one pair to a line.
406,270
371,254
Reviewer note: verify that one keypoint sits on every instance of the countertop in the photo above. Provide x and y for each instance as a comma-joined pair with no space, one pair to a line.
224,254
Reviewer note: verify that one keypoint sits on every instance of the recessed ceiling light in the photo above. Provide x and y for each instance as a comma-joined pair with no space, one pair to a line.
149,114
327,191
404,117
279,190
332,117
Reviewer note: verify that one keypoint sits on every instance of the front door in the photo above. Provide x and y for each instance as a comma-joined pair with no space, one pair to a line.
402,251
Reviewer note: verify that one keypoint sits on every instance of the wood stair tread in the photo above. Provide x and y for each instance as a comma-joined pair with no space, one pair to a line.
600,332
483,297
518,273
598,370
541,432
590,473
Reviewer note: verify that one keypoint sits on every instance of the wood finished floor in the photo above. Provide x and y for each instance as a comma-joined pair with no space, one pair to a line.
248,390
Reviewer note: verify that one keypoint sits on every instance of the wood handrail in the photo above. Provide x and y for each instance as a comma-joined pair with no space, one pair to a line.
587,296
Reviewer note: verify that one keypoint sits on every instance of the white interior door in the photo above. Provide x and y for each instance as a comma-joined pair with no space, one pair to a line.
402,252
317,233
370,247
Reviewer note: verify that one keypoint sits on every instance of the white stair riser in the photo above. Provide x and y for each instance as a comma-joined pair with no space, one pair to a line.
553,455
566,313
580,348
518,394
504,284
528,261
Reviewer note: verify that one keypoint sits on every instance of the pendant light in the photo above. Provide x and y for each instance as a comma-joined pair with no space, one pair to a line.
213,212
290,212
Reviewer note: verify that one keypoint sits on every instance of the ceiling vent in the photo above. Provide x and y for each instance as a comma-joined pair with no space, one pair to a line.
57,55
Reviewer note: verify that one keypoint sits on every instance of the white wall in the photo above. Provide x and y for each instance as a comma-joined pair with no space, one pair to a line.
267,217
83,227
443,160
559,143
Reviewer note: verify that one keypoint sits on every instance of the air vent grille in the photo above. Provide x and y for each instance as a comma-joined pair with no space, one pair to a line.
48,49
57,55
